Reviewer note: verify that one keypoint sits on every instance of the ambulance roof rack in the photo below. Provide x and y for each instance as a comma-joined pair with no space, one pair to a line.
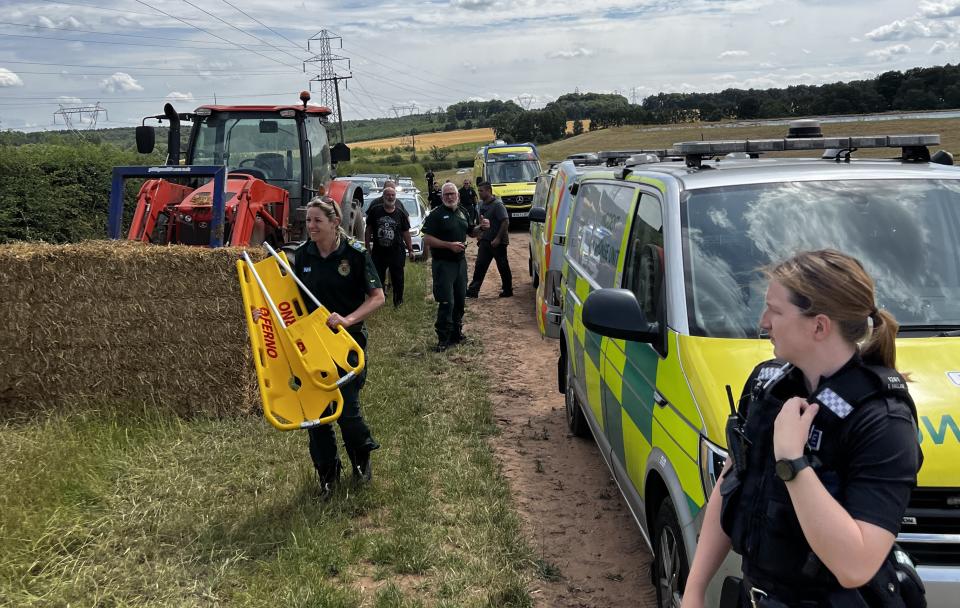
805,135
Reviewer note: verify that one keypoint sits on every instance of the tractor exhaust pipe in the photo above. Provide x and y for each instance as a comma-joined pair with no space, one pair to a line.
173,136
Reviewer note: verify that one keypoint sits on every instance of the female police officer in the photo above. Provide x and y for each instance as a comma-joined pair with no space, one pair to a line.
341,274
824,451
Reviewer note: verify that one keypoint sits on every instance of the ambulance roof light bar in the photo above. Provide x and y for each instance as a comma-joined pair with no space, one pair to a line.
805,135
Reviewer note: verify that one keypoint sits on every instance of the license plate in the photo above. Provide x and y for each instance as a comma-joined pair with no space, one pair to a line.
520,214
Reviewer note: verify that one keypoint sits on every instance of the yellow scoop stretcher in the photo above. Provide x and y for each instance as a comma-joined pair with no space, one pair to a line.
297,374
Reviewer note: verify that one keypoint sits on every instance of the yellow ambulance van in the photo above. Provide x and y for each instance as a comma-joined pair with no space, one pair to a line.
681,243
512,170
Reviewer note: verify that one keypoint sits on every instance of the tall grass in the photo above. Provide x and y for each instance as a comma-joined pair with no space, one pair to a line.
109,507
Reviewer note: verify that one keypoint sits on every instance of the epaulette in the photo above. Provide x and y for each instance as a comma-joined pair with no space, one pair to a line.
844,392
356,244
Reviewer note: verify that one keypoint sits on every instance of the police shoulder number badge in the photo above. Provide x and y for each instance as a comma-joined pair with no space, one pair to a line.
344,268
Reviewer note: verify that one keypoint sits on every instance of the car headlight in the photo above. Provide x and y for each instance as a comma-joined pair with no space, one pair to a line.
414,232
712,458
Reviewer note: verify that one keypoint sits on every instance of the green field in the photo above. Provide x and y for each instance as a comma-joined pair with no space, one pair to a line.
101,507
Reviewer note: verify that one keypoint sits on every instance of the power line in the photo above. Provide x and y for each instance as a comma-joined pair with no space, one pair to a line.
38,100
63,73
295,45
216,36
132,67
242,31
137,36
445,85
99,8
179,46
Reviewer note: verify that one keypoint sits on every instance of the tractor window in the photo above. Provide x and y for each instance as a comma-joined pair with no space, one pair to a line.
263,144
319,152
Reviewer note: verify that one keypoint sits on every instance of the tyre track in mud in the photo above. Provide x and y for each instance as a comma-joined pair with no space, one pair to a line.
591,553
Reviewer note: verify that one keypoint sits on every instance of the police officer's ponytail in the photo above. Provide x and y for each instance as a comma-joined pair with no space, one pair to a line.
331,209
836,285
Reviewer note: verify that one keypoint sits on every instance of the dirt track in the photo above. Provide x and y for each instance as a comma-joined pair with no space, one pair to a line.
573,513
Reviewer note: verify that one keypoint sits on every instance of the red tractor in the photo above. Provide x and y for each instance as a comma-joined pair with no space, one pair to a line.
277,157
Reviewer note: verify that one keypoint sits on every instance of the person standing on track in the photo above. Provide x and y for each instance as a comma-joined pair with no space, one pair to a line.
493,243
388,239
445,232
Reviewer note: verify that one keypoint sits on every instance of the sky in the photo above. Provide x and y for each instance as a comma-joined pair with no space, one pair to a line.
131,56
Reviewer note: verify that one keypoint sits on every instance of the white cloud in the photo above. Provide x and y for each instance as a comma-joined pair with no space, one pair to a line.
69,100
779,22
9,79
726,54
178,96
473,5
944,8
940,46
572,54
907,29
889,52
120,82
854,39
469,67
724,77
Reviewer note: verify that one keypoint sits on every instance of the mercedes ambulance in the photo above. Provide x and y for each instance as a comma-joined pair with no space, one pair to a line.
512,170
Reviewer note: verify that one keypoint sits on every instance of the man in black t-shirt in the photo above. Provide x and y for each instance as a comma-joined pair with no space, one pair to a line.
388,239
493,243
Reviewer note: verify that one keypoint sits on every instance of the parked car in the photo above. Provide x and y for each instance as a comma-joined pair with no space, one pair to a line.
368,184
406,184
662,296
417,211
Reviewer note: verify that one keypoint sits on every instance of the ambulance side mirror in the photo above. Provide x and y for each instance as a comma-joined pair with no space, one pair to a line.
616,313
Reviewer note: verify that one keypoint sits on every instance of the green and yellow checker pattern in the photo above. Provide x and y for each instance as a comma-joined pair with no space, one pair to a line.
620,379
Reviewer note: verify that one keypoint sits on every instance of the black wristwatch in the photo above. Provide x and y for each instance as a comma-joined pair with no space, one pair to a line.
787,469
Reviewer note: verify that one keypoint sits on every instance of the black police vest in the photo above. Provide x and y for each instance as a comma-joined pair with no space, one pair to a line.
757,513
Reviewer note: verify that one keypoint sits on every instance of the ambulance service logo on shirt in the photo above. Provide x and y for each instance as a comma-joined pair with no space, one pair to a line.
344,268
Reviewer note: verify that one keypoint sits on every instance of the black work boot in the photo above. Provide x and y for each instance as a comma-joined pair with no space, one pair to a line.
360,461
329,477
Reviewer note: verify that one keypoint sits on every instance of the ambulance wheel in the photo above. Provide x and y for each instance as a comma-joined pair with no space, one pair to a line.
670,567
576,421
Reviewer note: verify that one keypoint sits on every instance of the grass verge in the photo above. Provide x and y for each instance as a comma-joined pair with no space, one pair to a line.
101,507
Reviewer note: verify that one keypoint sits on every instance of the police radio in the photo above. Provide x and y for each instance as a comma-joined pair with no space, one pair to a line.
737,441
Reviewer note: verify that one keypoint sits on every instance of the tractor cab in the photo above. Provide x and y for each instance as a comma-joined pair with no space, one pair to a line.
265,149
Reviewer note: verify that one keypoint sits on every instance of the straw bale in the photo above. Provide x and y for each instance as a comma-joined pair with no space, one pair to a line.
118,322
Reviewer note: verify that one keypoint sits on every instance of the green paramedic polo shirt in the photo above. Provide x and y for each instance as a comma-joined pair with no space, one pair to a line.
341,280
447,225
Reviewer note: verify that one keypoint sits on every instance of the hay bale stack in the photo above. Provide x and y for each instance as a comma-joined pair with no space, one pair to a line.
126,323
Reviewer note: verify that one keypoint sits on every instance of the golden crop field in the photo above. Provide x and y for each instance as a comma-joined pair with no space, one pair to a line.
586,125
427,140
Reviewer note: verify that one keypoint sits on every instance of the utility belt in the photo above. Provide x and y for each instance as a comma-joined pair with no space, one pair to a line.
896,585
763,595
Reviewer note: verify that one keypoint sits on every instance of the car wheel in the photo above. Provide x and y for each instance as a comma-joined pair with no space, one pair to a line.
530,263
670,566
576,421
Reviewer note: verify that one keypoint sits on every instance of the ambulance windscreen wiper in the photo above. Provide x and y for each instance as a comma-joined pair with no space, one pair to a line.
937,331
